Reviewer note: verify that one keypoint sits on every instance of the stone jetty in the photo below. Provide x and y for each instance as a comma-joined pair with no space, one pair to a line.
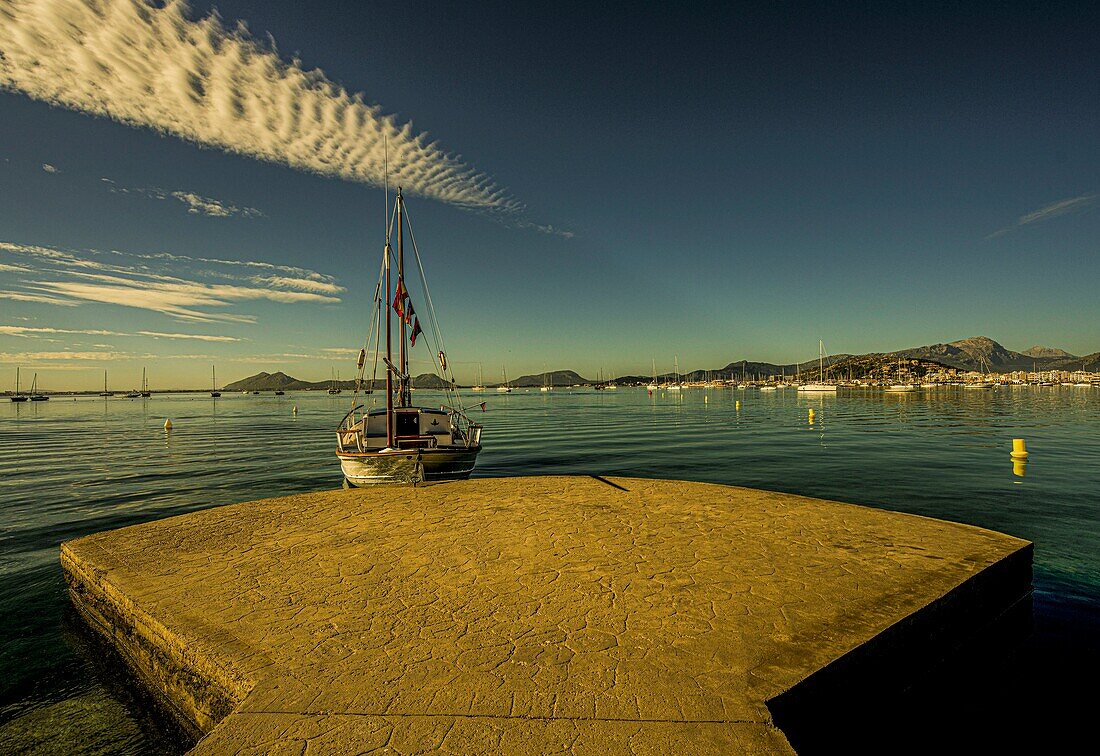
532,615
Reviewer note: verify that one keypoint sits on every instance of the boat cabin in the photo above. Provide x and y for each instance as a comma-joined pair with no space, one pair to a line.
414,428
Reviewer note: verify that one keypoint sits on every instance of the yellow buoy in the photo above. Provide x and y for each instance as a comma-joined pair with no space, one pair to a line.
706,399
295,410
1019,449
1019,467
737,405
167,425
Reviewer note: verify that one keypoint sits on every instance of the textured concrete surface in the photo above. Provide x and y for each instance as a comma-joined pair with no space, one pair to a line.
527,615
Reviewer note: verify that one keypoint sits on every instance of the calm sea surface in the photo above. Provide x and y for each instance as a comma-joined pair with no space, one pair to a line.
72,467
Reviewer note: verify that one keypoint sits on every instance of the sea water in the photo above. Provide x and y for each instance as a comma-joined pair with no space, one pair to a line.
70,467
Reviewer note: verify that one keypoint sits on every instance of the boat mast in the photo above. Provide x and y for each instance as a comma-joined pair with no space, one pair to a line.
404,399
389,352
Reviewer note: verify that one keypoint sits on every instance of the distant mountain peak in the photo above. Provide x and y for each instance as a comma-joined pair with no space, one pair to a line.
1042,351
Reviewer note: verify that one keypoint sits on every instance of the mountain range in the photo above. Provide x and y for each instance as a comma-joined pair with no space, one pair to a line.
974,353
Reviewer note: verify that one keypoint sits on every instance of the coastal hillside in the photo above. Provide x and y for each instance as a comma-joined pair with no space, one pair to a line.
282,382
553,377
970,354
966,354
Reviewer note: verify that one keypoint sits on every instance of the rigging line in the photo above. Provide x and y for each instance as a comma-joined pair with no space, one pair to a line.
361,369
431,308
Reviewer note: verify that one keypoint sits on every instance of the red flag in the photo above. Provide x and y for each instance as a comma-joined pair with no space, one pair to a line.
482,405
399,298
409,313
416,331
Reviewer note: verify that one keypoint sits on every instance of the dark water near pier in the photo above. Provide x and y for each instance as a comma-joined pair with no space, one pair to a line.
69,468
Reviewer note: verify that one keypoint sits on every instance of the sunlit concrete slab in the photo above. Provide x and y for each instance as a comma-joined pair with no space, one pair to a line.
527,615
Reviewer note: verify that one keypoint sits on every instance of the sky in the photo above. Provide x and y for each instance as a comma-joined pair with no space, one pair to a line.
593,186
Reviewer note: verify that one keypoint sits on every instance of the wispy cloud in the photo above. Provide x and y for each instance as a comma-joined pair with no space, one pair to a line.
26,331
1053,210
147,65
50,168
174,285
40,332
25,357
544,229
191,336
21,296
196,203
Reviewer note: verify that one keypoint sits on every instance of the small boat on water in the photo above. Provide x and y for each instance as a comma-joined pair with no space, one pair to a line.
214,383
653,383
480,380
334,383
902,386
18,396
821,387
105,393
36,395
145,392
504,388
400,442
279,392
676,367
547,383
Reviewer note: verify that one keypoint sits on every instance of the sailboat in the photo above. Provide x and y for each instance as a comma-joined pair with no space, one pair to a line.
132,394
37,396
105,392
547,383
334,383
821,386
480,380
214,383
610,385
653,384
145,392
504,388
400,442
675,386
984,383
901,387
17,396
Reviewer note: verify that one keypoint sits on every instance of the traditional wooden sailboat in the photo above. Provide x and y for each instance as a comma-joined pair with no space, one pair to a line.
18,396
399,442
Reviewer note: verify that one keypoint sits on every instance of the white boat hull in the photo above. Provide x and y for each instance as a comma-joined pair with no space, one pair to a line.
408,465
817,388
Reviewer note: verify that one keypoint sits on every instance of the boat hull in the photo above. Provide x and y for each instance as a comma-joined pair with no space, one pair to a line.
407,465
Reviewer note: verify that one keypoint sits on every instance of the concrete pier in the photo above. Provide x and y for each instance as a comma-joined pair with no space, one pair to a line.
531,615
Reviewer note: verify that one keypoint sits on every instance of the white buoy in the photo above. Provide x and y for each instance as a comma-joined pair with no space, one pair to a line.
167,425
295,410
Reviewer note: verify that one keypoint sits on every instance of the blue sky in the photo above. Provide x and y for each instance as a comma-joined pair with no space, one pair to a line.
598,187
